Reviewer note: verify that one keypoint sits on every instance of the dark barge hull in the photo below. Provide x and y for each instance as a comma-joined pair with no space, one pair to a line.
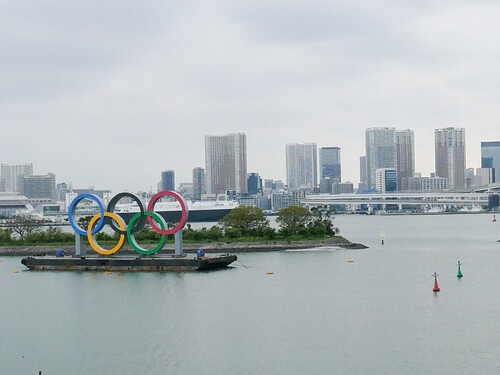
127,263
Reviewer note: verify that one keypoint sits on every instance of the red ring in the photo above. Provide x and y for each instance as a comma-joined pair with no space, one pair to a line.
184,214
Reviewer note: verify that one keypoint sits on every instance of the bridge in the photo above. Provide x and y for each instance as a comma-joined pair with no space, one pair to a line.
492,188
422,200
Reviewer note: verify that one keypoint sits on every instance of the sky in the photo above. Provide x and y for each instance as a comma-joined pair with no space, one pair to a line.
110,93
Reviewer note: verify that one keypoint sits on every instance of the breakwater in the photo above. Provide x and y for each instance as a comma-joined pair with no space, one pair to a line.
211,247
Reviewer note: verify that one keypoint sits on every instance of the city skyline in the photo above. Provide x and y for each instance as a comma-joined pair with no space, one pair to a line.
400,137
110,99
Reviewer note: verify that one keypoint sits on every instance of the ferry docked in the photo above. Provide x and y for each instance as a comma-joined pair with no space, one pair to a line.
199,211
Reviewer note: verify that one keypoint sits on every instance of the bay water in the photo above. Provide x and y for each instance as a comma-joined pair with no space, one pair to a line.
326,311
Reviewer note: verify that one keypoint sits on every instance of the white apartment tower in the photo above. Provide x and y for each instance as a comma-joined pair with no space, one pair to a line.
381,151
450,156
226,163
301,165
10,176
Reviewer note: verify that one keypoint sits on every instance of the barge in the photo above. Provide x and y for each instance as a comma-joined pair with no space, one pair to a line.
123,263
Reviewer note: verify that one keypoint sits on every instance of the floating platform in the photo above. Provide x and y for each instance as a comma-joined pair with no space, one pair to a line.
128,263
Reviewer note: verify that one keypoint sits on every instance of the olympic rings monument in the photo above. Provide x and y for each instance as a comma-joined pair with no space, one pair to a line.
145,259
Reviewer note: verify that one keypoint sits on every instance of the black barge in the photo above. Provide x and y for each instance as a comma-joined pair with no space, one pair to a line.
128,263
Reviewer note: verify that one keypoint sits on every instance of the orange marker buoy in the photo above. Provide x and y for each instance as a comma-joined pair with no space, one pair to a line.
270,273
436,286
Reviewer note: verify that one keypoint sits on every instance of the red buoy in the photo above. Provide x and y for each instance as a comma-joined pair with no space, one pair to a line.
436,286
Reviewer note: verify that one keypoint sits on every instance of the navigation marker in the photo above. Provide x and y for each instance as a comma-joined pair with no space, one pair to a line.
459,274
436,286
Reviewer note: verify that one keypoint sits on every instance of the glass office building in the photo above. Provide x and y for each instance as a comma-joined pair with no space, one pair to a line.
490,158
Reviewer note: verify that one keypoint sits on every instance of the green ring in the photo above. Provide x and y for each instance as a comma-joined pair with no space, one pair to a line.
131,236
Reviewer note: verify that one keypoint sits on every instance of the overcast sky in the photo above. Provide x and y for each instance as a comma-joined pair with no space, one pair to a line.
110,93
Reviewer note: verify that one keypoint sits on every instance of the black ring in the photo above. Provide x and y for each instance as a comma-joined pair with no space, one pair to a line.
139,223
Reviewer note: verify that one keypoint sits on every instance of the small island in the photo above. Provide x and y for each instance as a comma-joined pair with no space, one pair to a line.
245,229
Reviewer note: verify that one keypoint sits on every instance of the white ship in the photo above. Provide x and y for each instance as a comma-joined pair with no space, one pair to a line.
199,211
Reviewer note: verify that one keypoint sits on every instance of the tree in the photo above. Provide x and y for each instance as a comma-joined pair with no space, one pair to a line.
24,225
322,216
247,220
84,221
292,218
5,236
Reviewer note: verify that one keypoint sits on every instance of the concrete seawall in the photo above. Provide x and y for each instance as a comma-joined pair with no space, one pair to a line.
211,247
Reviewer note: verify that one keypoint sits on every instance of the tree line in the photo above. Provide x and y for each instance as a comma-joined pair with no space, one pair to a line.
244,223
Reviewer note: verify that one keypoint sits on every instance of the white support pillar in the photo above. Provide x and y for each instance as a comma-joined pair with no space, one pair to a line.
178,243
79,248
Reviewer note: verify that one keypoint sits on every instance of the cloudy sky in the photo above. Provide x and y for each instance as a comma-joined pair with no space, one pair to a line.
110,93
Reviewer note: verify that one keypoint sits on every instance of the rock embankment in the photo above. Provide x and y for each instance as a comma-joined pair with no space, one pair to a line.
212,247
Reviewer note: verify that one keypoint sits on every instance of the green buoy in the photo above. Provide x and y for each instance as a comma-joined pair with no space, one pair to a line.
459,274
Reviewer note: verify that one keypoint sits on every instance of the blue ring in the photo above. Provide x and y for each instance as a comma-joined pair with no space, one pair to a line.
72,209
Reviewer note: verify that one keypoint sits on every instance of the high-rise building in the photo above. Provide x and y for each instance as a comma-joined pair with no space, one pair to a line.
186,190
329,163
490,158
254,183
167,180
10,175
381,151
484,176
325,185
363,176
301,166
38,188
226,163
450,156
405,155
198,183
386,180
271,185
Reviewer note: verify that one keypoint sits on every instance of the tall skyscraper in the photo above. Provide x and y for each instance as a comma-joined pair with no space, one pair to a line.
381,151
167,180
450,156
11,174
490,158
405,155
329,163
198,183
363,174
301,165
226,163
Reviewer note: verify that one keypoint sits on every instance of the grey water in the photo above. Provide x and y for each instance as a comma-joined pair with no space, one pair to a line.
331,311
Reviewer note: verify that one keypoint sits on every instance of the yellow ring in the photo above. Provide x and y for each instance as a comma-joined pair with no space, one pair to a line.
91,237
